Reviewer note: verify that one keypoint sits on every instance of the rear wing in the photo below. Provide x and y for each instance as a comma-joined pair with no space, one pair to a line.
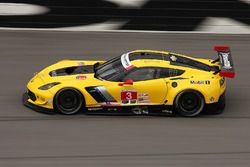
226,61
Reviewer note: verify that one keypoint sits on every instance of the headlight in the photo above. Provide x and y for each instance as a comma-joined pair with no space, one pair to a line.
48,86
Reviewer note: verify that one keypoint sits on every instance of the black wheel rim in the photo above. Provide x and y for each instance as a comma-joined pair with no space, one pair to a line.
68,102
190,102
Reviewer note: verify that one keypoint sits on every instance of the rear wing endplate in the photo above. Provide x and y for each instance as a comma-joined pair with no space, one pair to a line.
226,61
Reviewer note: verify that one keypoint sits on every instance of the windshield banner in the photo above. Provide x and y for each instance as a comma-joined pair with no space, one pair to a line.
125,62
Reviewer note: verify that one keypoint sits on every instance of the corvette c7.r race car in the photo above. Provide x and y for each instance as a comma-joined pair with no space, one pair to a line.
143,82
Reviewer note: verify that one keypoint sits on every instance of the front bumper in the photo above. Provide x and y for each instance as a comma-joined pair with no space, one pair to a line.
35,107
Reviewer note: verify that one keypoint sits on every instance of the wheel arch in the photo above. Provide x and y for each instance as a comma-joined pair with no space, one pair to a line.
185,112
189,89
173,92
69,87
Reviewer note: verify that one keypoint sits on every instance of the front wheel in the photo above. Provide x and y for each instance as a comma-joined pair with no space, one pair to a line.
68,101
189,103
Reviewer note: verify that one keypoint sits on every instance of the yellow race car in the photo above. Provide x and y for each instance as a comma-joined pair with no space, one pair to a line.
142,82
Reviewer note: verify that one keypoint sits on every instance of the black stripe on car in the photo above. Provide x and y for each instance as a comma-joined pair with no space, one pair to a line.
100,94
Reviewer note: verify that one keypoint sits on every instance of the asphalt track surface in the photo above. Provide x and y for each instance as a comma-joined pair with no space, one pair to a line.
28,138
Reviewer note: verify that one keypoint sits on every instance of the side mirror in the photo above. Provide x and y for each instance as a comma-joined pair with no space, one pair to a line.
127,82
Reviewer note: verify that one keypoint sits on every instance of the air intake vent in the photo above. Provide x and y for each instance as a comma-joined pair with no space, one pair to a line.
31,95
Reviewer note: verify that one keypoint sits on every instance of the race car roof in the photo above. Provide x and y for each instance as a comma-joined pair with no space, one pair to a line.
129,59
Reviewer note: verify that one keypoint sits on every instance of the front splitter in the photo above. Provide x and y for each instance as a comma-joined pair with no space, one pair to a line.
35,107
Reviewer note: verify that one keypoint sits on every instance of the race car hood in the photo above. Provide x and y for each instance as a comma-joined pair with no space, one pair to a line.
66,70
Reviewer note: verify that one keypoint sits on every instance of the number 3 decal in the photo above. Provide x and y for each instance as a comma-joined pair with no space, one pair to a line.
128,95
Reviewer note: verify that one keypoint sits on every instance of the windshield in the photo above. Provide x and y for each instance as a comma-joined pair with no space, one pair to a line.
111,70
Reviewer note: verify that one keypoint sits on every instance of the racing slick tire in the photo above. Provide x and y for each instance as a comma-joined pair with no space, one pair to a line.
68,101
189,103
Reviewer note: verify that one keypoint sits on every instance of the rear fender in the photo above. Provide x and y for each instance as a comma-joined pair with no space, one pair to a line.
211,90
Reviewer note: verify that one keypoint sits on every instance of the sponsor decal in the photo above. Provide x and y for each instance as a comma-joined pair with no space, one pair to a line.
207,82
143,98
109,104
152,61
211,98
81,77
112,109
200,82
81,64
173,58
142,110
129,96
132,101
126,62
129,101
95,109
225,61
125,101
167,111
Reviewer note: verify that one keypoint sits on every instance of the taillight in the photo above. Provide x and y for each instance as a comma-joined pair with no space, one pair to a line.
222,81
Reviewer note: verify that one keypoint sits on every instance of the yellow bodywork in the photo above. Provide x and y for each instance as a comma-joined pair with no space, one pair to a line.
158,91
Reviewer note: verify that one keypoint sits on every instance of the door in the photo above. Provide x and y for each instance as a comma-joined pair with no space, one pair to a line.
139,87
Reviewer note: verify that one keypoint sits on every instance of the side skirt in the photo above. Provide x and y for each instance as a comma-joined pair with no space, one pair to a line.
152,110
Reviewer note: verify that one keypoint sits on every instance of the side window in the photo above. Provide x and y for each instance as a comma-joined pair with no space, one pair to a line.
168,72
175,72
148,73
141,74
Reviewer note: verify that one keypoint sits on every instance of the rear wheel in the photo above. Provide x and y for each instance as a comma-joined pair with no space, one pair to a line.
68,101
189,103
